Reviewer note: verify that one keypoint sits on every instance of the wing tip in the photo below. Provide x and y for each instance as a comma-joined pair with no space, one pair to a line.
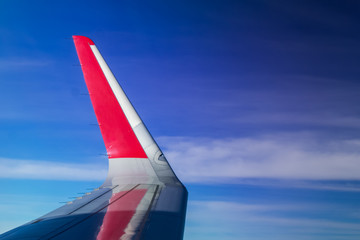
83,39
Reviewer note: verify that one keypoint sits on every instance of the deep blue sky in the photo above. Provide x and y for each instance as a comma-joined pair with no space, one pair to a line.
255,104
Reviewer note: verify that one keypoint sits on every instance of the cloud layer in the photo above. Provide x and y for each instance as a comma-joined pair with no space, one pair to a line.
236,220
204,159
46,170
285,157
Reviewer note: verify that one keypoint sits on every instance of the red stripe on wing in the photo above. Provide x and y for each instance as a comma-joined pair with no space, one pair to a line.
119,214
120,139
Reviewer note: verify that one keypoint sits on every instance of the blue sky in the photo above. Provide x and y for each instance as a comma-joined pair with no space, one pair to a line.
255,104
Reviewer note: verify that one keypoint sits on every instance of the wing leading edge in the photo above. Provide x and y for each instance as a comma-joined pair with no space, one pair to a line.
141,198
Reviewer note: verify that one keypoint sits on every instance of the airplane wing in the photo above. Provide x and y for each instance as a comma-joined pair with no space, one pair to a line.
141,198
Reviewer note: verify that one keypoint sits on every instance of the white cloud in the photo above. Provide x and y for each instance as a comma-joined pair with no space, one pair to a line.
46,170
295,157
224,206
280,157
235,220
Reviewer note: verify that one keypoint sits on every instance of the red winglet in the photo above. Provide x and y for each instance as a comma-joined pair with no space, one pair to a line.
120,139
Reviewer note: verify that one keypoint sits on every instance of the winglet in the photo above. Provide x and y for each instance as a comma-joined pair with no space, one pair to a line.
133,153
119,137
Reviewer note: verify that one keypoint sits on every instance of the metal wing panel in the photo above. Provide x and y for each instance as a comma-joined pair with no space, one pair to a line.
141,212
